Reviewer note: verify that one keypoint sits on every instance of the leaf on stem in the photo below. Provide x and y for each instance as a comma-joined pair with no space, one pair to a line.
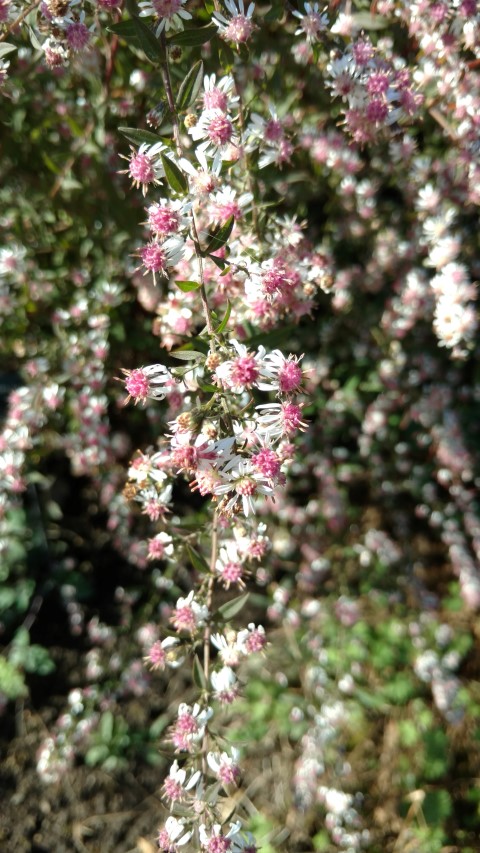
197,561
193,37
187,354
188,286
219,236
198,674
126,30
219,262
148,41
231,608
225,320
137,136
190,87
174,176
6,48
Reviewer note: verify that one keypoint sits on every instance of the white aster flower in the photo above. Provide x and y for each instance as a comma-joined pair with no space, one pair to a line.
219,94
312,22
217,131
239,27
170,13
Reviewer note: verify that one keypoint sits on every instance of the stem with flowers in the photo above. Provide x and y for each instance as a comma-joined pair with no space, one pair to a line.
233,448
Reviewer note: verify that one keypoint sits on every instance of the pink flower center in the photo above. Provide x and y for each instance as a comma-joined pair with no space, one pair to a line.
4,11
153,257
228,774
225,211
219,844
166,8
215,99
276,279
255,642
78,35
267,462
156,656
289,377
164,842
232,572
184,457
363,52
173,789
273,130
377,111
378,83
291,417
239,29
183,619
244,371
141,169
246,486
220,130
137,384
156,549
162,220
186,724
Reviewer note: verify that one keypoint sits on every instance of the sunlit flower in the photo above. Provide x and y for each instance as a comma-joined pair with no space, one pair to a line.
170,13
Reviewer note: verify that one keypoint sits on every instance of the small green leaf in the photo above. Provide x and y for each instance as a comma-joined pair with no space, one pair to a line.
126,30
96,755
198,674
219,262
193,37
231,608
12,682
35,41
197,561
174,176
219,236
188,286
187,354
138,136
148,41
225,320
190,87
6,48
106,726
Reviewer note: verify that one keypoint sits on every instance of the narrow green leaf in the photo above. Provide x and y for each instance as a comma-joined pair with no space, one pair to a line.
174,176
126,30
138,136
106,726
148,41
225,320
6,48
198,674
187,354
193,37
197,561
49,163
219,262
35,41
219,236
188,286
190,87
231,608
